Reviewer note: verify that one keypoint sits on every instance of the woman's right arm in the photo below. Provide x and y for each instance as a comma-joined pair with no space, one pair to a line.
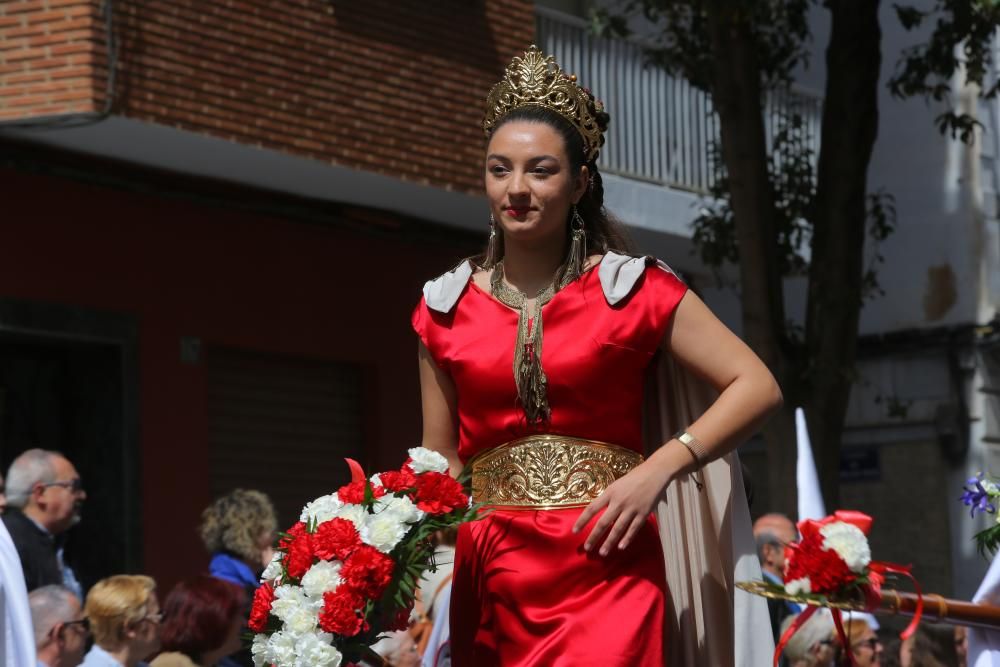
440,410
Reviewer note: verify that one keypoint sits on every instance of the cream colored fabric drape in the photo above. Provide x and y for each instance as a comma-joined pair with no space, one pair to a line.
707,543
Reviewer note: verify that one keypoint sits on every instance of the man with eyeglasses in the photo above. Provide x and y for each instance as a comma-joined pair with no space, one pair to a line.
772,532
44,497
60,629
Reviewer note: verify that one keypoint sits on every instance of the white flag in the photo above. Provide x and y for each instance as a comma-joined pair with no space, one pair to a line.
810,495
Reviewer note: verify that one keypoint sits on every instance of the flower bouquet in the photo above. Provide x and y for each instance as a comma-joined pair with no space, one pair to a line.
348,571
831,566
982,495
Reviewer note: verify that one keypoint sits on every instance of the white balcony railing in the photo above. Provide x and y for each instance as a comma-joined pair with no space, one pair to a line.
662,127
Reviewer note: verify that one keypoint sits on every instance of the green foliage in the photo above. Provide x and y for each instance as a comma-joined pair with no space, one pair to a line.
682,47
792,176
961,41
793,182
988,541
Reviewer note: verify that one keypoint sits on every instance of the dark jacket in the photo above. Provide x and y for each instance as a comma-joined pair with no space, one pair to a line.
36,548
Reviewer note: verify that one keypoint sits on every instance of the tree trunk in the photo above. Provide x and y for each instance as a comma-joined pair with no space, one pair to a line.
850,125
736,96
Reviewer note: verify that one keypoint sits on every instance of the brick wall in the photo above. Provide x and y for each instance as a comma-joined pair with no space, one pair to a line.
386,86
51,57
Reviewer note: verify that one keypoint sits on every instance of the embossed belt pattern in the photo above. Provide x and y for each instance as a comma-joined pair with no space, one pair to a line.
548,472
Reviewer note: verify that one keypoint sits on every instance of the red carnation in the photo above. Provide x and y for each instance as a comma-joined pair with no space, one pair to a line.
402,480
401,620
827,571
354,493
368,571
261,609
291,534
438,493
300,555
341,613
335,538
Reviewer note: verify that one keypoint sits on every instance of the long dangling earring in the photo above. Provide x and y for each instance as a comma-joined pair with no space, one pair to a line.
577,248
491,247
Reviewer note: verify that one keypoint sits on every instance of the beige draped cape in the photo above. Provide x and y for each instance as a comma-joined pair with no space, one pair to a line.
707,542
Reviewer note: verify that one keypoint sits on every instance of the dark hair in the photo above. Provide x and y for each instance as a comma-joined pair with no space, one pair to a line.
198,614
934,646
604,231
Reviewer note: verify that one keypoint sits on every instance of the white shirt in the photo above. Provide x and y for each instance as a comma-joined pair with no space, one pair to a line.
17,647
98,657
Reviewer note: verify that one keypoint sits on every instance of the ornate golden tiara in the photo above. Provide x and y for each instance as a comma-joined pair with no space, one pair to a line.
535,80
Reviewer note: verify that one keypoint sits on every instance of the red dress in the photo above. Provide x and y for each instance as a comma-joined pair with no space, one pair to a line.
525,593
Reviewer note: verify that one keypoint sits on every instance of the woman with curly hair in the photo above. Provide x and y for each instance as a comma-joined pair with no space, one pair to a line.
238,529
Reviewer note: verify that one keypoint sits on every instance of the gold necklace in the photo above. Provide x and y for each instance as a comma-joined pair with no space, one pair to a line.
528,374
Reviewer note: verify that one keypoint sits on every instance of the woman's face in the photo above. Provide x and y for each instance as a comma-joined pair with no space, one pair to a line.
265,543
145,634
906,651
867,649
530,182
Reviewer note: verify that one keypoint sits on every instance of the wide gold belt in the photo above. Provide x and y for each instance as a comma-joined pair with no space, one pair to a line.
548,472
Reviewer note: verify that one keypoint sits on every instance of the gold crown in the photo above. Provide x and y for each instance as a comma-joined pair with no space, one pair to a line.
535,80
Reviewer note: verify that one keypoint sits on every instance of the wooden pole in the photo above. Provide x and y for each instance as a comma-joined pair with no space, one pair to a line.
938,608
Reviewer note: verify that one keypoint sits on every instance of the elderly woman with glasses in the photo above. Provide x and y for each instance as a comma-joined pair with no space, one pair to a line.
124,617
865,646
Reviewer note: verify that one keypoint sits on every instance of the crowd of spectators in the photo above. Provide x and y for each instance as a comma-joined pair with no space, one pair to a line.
50,621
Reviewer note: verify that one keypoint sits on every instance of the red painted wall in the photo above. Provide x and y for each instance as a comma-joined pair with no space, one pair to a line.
184,268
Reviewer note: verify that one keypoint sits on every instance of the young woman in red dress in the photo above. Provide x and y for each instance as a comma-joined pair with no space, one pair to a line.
533,361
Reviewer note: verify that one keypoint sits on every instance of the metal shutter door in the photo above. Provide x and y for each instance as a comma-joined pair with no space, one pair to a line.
281,425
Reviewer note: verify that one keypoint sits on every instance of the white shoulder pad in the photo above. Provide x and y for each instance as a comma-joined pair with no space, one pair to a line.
619,274
441,294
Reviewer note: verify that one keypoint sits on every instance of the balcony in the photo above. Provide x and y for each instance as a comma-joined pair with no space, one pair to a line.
662,127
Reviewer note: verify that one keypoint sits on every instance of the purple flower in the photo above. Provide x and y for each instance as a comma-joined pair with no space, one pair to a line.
976,497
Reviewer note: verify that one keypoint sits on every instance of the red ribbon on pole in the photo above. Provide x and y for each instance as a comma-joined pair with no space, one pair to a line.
873,595
844,641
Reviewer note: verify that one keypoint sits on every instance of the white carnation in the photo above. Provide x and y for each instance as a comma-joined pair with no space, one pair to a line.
301,620
424,460
400,506
322,577
356,514
798,586
383,531
281,650
315,650
273,569
288,600
375,480
849,543
322,509
259,650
